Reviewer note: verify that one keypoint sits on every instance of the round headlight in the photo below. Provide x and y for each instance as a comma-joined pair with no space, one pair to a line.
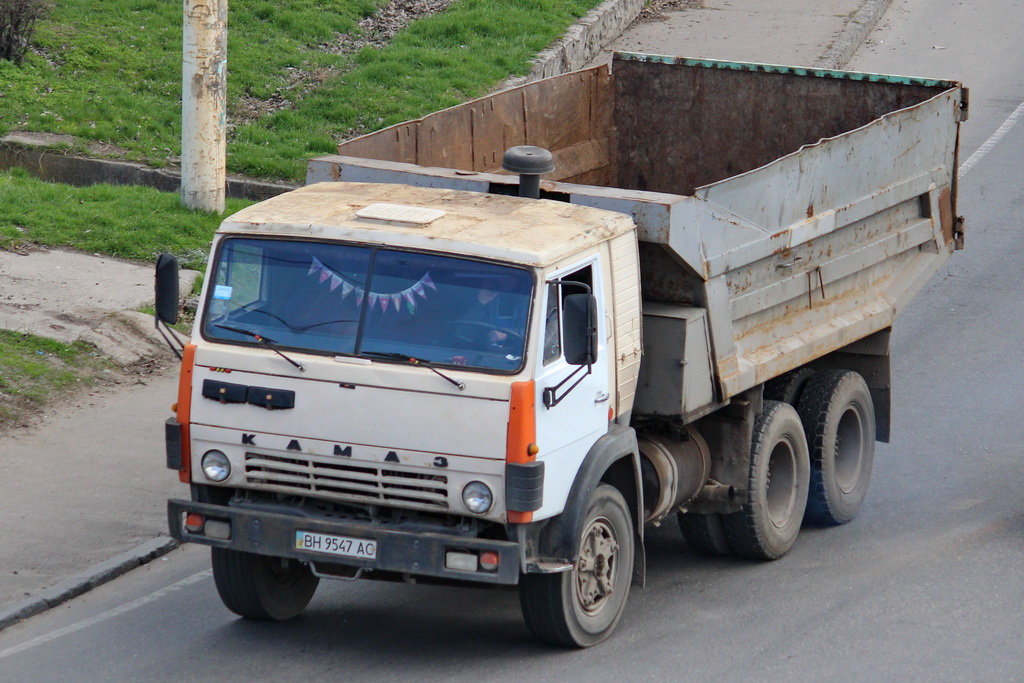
477,497
216,466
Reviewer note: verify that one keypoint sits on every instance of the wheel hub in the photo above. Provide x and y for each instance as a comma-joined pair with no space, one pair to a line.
781,485
595,572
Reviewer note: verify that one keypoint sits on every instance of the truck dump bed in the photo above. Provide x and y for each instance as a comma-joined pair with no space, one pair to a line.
797,210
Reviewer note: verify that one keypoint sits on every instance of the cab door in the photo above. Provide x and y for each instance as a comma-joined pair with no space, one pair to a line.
575,414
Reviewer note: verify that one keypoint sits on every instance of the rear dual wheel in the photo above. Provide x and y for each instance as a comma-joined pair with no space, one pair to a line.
767,525
839,419
821,453
788,387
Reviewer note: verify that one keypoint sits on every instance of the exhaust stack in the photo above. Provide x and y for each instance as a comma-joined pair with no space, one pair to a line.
530,163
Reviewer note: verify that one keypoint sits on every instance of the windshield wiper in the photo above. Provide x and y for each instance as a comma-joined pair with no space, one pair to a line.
391,355
250,308
269,343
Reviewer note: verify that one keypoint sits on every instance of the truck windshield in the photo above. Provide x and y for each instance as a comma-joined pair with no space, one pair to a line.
375,302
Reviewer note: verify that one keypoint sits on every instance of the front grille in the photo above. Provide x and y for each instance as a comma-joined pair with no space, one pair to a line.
325,477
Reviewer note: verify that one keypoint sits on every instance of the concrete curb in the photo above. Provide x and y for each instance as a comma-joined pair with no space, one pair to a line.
19,149
839,53
96,575
583,41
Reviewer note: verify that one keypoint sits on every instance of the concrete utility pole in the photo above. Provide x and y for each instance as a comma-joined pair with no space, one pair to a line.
204,79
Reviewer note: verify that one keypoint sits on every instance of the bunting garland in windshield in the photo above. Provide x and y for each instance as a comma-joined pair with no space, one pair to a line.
392,300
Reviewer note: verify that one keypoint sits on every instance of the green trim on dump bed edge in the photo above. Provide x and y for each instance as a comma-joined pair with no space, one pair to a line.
791,70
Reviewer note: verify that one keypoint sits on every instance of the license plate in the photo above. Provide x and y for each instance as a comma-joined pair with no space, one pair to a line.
336,545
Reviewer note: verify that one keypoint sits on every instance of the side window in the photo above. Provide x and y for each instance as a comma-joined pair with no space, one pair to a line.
552,326
552,313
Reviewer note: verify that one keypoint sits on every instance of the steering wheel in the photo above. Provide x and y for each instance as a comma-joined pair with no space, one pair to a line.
477,333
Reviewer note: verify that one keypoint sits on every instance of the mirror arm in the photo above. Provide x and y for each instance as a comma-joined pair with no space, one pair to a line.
571,283
172,341
551,399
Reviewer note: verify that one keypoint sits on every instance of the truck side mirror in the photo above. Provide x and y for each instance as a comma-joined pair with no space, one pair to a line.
580,319
167,289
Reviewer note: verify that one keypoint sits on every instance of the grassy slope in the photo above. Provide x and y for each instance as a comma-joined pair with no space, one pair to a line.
127,222
114,76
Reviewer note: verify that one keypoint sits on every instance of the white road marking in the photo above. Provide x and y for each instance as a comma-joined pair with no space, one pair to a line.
992,141
105,616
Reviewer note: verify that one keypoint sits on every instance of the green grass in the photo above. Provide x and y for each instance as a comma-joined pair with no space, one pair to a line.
114,75
437,62
33,370
128,222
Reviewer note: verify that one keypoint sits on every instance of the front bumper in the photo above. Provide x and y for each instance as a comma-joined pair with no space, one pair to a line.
417,553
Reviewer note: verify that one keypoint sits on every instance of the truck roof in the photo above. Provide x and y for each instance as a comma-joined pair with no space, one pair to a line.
524,231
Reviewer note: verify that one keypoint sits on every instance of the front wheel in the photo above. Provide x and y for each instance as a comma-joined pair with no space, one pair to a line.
261,587
581,607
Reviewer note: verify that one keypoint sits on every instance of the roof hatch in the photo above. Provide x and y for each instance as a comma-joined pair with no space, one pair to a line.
410,216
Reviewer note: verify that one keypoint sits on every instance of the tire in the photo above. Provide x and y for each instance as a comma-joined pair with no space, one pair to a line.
261,587
581,607
839,419
788,387
767,525
705,533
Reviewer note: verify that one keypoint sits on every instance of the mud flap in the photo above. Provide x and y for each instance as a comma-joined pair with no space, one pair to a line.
553,545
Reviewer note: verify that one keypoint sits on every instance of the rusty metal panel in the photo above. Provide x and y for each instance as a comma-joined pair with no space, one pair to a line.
442,139
559,114
825,185
801,209
571,115
946,217
838,238
395,143
686,123
586,163
498,123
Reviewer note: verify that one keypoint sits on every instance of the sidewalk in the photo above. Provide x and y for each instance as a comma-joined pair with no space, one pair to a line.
821,34
82,496
84,486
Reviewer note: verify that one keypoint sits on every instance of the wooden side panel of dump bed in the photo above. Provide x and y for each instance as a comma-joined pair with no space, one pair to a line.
570,115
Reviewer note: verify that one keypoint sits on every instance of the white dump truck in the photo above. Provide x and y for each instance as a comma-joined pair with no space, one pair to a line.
490,345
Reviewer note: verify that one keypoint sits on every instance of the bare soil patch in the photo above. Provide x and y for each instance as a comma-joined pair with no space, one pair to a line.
656,10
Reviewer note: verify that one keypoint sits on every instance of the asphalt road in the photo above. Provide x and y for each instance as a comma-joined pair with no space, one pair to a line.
927,584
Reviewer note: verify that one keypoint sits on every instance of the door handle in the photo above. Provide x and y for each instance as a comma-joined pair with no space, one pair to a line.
601,397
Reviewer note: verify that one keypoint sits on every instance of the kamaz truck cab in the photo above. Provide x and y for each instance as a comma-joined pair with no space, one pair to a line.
396,382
